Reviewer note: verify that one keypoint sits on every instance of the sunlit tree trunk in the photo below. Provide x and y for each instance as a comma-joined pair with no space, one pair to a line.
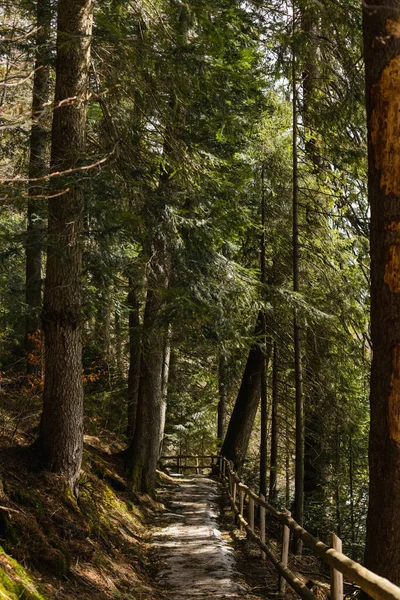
164,383
381,27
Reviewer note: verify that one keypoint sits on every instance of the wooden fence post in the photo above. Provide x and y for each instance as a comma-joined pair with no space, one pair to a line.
234,492
336,576
223,467
178,464
220,465
262,524
251,513
284,554
241,507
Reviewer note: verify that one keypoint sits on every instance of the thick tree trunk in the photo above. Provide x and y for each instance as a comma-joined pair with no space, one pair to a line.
38,167
274,428
61,428
143,452
381,26
222,402
244,412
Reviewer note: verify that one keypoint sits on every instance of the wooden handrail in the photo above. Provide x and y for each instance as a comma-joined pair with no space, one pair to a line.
374,585
176,456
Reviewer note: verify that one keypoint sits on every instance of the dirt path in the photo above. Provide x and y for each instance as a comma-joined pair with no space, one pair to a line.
194,560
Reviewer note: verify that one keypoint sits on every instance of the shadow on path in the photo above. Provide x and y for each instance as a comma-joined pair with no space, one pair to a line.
194,560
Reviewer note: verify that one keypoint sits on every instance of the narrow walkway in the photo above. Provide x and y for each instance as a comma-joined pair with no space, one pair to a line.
194,560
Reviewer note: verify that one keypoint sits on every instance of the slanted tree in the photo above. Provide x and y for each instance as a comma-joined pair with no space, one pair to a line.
244,412
381,27
222,393
60,440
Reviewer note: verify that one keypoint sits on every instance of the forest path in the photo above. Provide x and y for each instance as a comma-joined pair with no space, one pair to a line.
195,562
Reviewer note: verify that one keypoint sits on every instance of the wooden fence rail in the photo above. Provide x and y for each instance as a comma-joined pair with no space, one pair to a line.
180,462
375,586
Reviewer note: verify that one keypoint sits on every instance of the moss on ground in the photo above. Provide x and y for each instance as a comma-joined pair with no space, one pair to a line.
16,584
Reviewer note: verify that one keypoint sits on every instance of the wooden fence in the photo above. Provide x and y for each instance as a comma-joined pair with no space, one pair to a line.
375,586
196,463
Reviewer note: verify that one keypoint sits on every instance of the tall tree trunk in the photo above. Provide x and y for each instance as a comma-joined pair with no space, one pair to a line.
244,412
143,452
381,27
61,428
38,167
221,425
164,384
263,369
135,349
299,473
274,428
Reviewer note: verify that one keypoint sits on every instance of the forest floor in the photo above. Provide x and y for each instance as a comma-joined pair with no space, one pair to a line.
112,544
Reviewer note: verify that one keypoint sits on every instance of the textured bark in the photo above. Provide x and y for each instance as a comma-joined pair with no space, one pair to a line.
38,166
244,412
164,384
61,428
381,26
143,452
222,402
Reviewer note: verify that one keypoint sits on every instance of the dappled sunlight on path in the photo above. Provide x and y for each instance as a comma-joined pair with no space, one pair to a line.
194,560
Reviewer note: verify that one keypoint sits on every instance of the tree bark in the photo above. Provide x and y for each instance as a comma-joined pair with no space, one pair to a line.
244,412
274,428
263,367
135,348
38,167
299,473
61,428
164,384
143,452
221,425
381,27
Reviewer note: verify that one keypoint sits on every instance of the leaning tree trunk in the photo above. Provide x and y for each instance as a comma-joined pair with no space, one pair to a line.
38,167
244,412
381,26
61,428
222,394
